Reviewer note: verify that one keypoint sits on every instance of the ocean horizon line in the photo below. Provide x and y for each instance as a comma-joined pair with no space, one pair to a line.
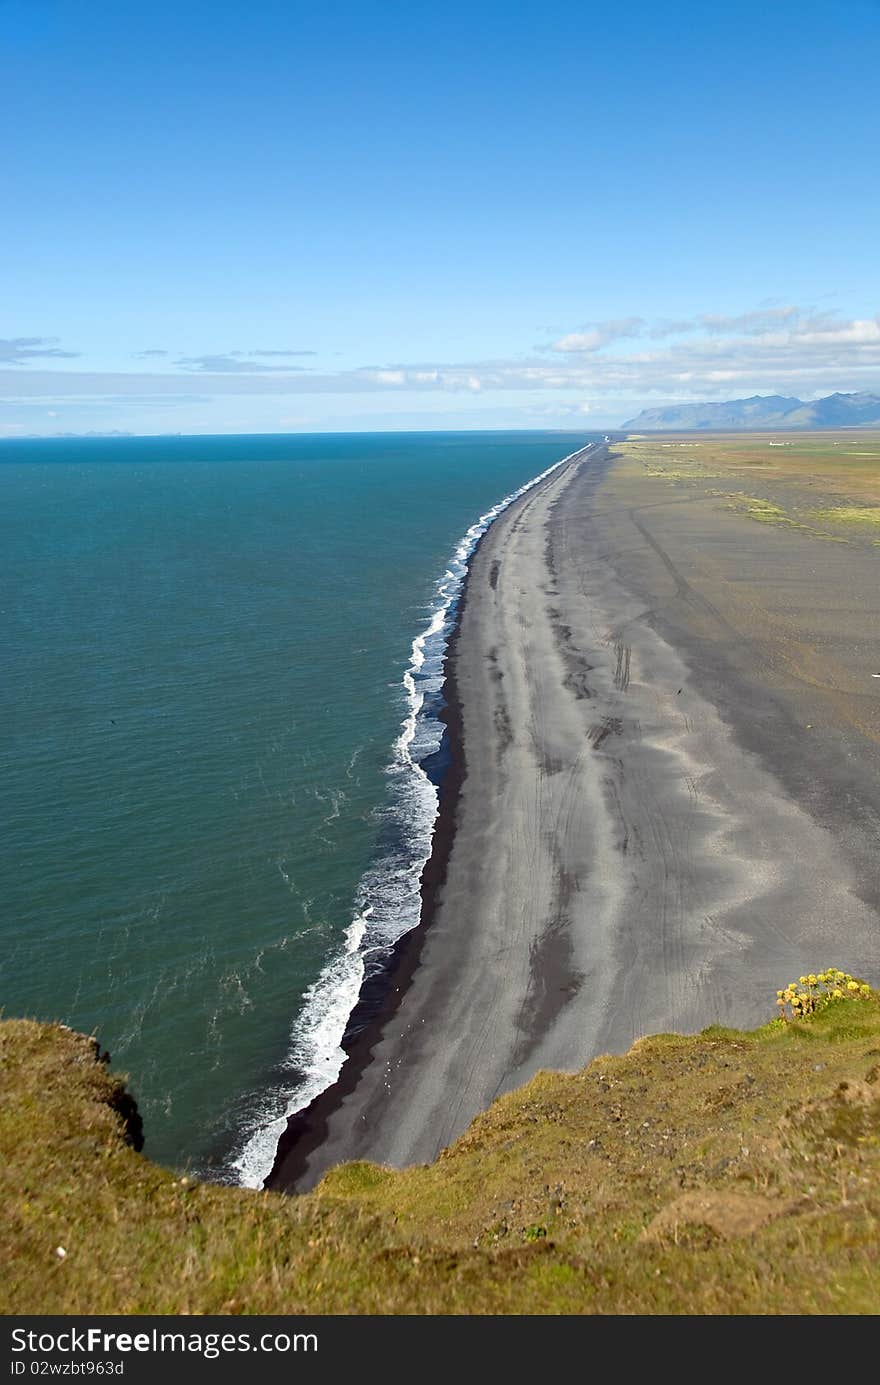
123,436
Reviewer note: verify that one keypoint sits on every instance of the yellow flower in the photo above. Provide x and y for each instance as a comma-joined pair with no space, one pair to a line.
837,993
780,993
866,990
811,979
822,977
852,985
802,981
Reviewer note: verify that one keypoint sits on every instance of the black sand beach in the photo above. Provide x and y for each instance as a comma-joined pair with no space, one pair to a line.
653,821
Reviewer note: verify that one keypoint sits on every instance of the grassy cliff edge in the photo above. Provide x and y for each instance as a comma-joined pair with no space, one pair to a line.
726,1172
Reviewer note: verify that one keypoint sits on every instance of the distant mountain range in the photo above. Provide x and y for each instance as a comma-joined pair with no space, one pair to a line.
763,411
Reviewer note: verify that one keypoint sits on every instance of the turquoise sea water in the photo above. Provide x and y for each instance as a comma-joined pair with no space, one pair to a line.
210,813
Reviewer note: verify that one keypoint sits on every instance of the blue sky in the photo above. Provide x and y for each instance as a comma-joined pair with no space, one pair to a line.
281,216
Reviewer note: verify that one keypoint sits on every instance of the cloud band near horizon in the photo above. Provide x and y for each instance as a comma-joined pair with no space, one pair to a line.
768,350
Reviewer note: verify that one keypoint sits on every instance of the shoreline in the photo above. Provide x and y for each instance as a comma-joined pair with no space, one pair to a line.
383,989
380,992
617,861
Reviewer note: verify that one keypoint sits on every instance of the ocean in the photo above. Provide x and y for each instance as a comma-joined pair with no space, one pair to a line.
223,664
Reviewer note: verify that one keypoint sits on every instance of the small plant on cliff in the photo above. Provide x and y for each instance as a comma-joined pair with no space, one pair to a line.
815,992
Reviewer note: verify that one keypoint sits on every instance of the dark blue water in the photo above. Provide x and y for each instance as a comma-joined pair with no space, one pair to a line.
209,809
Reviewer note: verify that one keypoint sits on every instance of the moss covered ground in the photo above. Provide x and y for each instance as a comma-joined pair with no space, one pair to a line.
826,485
724,1173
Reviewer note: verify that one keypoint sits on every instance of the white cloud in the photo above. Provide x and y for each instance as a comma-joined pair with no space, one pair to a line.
862,331
579,341
771,350
386,377
594,336
231,364
276,352
20,350
752,323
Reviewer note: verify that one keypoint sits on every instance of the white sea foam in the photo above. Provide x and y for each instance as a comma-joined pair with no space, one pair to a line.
388,900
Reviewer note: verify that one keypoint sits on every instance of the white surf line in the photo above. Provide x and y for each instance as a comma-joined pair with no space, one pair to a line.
388,902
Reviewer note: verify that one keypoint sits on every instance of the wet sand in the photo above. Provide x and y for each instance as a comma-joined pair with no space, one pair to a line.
647,836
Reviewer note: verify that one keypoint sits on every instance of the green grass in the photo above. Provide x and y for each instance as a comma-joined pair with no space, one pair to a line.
852,514
762,510
825,486
724,1173
767,512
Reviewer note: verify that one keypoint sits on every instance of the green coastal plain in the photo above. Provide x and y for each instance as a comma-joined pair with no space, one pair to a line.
825,484
777,537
